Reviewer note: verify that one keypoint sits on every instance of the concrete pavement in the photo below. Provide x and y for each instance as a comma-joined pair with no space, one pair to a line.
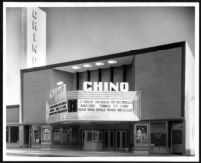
66,153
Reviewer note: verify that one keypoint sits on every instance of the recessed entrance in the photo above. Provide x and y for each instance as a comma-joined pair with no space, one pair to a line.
121,139
109,140
115,139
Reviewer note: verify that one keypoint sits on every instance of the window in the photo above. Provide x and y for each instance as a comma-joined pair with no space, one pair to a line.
93,135
65,135
14,134
61,136
89,136
177,136
100,135
158,139
72,105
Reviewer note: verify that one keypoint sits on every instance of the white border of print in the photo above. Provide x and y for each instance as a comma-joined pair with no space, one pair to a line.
101,4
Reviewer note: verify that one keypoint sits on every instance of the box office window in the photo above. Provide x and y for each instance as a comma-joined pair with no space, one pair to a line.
93,135
14,134
89,136
72,105
158,133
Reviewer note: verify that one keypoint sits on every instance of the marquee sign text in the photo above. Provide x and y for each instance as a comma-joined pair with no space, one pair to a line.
106,86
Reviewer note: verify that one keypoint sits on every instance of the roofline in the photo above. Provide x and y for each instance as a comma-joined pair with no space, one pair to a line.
12,106
110,56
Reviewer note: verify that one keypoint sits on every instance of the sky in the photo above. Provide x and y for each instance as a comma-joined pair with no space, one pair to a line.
78,33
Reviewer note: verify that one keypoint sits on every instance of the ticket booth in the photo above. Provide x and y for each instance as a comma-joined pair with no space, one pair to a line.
93,140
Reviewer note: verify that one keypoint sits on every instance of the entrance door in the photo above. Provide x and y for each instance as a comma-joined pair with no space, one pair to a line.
83,139
26,136
30,137
121,139
109,140
177,139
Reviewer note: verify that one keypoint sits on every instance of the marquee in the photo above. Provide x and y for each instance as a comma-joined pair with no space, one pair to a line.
82,105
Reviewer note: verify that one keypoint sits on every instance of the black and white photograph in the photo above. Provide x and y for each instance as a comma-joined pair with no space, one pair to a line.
97,81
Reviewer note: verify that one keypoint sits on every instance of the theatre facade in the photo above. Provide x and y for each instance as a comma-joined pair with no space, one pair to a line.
135,101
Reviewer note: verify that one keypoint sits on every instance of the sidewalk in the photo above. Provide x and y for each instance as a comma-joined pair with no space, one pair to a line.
66,153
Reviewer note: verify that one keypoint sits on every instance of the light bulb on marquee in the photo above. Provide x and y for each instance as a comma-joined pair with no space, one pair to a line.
87,65
76,67
99,63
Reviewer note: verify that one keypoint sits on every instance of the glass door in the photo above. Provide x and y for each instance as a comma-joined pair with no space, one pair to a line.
109,140
121,139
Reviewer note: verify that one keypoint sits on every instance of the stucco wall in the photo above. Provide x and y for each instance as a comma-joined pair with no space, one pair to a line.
12,115
158,77
36,88
66,77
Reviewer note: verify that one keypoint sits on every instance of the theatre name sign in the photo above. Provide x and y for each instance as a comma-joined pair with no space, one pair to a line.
98,101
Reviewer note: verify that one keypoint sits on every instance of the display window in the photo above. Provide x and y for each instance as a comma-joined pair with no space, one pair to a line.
46,135
61,136
12,134
36,134
65,136
141,134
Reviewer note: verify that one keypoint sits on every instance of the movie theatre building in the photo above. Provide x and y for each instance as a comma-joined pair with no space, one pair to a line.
138,101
